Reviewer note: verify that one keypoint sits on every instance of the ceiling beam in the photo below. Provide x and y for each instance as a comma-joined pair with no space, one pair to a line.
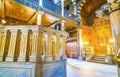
32,18
55,22
96,8
2,9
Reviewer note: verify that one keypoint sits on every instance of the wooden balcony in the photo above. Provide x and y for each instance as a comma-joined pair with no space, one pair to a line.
48,7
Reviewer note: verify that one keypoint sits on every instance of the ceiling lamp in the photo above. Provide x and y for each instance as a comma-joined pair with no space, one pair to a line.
3,21
99,13
106,9
80,8
81,4
84,1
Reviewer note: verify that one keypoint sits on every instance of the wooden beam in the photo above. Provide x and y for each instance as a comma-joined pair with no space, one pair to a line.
55,22
32,18
2,9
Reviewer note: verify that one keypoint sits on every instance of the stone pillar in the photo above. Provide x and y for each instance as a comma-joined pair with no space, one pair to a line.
48,56
23,46
80,43
62,6
39,18
115,24
75,7
34,47
11,50
63,25
2,43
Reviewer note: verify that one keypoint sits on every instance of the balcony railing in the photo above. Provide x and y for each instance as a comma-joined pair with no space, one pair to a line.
31,44
48,7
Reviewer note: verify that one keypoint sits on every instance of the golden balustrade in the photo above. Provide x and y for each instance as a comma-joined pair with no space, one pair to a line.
31,44
2,42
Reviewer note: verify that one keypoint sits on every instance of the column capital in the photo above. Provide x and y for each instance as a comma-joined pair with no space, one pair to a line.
62,0
35,31
111,1
13,31
24,30
80,30
39,12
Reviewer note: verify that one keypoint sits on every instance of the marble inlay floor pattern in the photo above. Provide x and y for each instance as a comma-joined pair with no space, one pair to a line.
77,68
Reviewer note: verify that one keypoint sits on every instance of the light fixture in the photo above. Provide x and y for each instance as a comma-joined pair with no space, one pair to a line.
106,6
106,9
111,40
81,4
3,21
99,13
84,1
80,8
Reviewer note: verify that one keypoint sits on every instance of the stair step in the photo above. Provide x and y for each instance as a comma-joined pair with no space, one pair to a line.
100,59
102,62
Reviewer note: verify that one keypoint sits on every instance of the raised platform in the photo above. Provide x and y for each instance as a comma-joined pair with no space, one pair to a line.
17,69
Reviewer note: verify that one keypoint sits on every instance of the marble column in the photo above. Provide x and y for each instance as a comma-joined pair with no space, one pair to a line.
75,7
62,6
23,46
39,18
115,24
80,43
2,43
11,50
62,23
34,47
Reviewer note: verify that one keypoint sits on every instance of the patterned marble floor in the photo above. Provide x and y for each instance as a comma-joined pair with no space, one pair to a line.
77,68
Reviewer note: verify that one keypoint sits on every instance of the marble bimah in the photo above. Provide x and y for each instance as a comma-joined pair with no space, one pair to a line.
32,51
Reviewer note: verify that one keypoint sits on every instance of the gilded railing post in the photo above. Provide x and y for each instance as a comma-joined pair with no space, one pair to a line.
39,52
2,42
10,56
64,42
61,45
57,47
48,56
54,46
34,47
23,45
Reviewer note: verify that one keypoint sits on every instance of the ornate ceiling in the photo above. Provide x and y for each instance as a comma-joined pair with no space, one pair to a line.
25,15
15,13
87,10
